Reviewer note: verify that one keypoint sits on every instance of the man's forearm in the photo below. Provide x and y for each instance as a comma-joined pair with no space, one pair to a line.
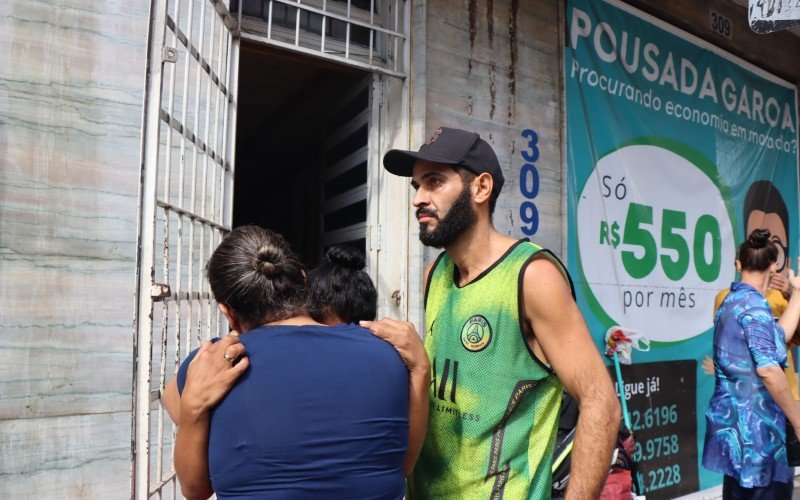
598,424
418,409
191,455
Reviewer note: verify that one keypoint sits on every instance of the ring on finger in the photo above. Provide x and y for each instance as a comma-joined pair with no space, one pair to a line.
228,358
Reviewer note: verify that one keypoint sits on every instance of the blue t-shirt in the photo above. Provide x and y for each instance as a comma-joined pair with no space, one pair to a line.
746,429
321,412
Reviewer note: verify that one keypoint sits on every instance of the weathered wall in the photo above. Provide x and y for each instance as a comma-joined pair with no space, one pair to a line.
778,52
71,91
493,66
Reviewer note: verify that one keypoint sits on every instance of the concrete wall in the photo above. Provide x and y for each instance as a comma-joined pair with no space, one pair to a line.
71,91
778,52
494,66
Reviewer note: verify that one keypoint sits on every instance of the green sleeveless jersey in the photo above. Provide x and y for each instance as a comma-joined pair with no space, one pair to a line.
494,405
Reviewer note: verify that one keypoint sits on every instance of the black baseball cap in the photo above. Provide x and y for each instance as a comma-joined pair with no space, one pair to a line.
451,146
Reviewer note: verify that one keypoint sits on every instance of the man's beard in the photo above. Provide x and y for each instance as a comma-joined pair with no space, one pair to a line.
458,219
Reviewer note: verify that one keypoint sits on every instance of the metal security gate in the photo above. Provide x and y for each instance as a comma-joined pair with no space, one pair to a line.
367,34
188,171
185,211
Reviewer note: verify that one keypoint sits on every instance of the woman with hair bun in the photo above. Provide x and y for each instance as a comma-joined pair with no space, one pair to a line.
341,291
291,407
751,404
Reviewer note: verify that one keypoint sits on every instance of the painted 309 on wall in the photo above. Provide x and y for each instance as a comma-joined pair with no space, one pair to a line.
529,183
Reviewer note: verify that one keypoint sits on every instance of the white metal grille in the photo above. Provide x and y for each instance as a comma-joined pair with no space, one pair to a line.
185,211
367,34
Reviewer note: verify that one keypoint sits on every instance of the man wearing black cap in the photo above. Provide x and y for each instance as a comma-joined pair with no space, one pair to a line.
503,335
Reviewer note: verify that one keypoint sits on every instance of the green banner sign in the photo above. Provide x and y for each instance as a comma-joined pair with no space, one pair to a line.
674,147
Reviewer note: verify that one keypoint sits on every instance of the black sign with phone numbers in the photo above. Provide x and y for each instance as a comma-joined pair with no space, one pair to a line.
661,399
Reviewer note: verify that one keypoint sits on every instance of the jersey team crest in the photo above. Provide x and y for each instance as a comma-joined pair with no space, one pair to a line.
476,333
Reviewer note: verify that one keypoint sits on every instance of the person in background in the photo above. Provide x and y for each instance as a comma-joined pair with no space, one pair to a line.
340,290
290,408
764,208
746,419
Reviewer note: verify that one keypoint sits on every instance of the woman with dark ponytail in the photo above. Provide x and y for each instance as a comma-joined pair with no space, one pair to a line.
292,407
341,291
752,404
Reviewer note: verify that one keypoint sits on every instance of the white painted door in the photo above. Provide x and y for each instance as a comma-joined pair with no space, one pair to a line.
185,210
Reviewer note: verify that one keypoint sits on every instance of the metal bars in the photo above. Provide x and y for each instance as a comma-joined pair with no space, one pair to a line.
367,34
345,171
187,183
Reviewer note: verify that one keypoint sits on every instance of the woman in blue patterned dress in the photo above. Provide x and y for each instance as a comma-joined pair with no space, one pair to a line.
747,415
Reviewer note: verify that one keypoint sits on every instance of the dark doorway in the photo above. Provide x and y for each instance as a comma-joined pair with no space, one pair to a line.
299,148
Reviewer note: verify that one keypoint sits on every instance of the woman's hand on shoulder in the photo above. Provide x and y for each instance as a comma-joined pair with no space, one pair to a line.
212,373
404,337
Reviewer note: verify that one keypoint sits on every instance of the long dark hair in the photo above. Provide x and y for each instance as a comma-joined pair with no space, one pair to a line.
757,253
340,286
255,273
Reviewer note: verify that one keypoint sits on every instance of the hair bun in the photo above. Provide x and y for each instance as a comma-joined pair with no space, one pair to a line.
759,238
345,256
267,261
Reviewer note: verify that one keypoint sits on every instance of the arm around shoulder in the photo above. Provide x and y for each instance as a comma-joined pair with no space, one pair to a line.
418,410
405,339
172,400
209,377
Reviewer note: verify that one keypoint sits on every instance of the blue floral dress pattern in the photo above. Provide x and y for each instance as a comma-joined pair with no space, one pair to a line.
746,429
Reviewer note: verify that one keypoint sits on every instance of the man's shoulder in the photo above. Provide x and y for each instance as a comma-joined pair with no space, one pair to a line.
542,266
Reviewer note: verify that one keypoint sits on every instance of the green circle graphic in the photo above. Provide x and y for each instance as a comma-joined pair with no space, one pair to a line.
693,156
